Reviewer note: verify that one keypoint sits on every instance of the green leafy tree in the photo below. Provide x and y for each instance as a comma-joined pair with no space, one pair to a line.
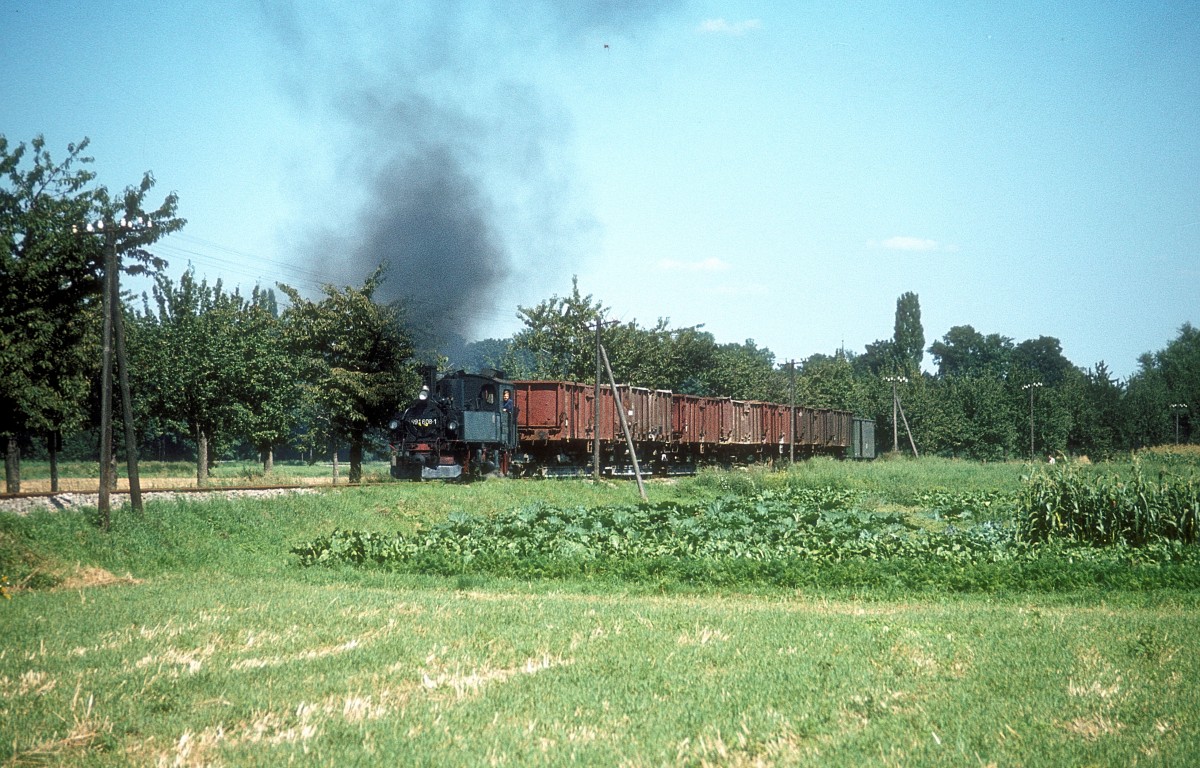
1095,404
1146,405
47,284
189,356
963,351
909,337
558,340
745,371
684,360
1039,359
1166,378
977,416
879,358
270,384
639,356
355,359
50,282
692,357
829,381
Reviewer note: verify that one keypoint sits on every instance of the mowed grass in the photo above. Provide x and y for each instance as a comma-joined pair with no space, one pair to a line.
191,637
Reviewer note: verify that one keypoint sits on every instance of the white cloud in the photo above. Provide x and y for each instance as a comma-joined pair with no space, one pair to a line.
904,243
707,265
723,27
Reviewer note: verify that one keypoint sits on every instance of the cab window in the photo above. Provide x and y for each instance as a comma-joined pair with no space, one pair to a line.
487,395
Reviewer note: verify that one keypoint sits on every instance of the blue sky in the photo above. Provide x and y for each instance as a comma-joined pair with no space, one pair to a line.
777,172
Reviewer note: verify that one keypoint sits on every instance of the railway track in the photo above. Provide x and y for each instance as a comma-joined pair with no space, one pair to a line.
22,503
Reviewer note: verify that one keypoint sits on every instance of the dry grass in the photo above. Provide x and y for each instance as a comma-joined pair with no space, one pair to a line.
84,577
84,732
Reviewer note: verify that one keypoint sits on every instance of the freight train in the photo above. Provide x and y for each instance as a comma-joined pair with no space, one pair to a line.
469,425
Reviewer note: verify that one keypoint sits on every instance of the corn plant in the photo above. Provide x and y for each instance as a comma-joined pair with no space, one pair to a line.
1102,510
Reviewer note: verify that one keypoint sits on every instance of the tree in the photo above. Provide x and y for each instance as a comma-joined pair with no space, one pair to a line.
190,361
880,358
1179,363
963,351
684,360
47,280
826,381
909,336
1096,412
556,342
978,417
270,383
1166,378
744,371
50,272
1039,359
692,354
355,357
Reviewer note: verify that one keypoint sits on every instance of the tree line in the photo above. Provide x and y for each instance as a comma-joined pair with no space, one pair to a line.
213,371
209,369
986,396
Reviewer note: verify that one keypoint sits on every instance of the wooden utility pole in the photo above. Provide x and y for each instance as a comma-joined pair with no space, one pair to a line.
106,361
114,331
131,452
637,471
1031,387
1176,408
792,428
596,410
897,408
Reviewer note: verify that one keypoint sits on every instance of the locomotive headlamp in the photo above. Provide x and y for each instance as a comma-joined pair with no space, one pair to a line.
424,394
393,425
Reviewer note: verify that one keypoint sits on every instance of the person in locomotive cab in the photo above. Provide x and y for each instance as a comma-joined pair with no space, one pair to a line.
506,403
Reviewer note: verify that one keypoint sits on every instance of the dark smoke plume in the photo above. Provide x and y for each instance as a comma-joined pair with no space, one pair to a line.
458,166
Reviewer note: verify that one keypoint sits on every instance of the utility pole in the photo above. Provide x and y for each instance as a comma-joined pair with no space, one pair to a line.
113,335
1031,387
898,407
792,428
596,409
637,470
131,455
106,356
895,407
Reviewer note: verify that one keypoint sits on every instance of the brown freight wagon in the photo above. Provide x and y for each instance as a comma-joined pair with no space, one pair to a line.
452,429
556,419
694,421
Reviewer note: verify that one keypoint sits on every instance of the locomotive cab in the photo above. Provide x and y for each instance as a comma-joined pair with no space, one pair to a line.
462,424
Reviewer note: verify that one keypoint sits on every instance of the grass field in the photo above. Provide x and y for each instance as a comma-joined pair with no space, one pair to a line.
194,637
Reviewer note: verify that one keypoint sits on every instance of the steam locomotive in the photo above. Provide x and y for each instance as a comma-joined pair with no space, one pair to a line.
460,423
471,425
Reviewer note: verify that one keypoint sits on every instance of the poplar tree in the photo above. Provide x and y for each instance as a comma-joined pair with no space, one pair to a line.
909,336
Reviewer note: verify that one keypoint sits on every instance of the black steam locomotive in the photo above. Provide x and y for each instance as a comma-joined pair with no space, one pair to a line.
460,424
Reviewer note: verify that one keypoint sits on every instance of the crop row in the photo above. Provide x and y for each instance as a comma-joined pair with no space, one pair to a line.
1103,510
790,537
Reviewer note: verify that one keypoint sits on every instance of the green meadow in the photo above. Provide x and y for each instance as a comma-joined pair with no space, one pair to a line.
893,613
